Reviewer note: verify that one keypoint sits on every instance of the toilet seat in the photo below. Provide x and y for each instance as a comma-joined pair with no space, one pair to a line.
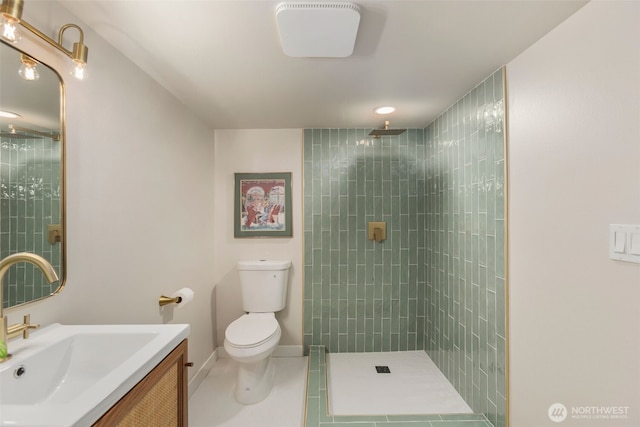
251,330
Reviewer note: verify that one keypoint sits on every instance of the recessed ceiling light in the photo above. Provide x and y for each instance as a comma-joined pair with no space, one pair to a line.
386,109
9,114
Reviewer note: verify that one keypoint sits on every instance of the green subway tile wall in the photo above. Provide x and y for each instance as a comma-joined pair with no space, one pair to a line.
29,200
465,295
361,295
438,283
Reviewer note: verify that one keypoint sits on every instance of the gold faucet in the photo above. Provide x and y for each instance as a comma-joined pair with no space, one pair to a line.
21,328
7,332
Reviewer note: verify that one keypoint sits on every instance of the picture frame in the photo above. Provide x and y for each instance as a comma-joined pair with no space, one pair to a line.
263,205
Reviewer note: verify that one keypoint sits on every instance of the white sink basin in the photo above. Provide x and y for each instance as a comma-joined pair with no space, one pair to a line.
68,375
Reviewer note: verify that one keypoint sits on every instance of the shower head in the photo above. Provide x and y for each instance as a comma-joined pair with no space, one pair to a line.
18,132
386,131
18,135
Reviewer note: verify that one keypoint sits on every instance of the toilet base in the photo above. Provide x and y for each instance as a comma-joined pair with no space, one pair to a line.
254,381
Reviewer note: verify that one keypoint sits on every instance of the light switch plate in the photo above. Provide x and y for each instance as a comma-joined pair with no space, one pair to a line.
620,242
624,242
634,243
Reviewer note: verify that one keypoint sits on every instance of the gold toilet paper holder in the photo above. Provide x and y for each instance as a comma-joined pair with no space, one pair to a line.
164,300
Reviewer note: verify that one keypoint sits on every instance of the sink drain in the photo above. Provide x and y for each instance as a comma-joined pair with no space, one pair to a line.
19,372
383,370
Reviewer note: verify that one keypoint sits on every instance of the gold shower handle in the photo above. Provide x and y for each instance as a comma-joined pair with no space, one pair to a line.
54,233
378,231
377,234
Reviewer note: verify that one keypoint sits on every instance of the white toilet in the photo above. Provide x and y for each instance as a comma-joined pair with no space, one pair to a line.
250,339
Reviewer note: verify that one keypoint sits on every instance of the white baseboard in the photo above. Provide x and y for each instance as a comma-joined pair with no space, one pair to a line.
288,351
280,351
197,379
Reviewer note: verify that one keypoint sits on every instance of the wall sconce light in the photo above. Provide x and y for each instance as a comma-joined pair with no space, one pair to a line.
11,16
10,13
28,70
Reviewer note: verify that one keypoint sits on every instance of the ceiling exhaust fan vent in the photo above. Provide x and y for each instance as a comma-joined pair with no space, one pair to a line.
318,30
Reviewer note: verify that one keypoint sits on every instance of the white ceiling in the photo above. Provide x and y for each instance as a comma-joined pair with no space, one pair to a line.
224,61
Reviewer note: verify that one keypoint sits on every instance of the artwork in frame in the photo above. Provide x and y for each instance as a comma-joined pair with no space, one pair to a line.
263,205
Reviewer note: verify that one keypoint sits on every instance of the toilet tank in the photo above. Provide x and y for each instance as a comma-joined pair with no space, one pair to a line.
264,285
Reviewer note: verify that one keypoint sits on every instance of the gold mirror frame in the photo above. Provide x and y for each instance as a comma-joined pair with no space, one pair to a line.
32,183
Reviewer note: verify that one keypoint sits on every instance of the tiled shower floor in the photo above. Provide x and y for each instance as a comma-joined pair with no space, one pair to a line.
317,414
413,384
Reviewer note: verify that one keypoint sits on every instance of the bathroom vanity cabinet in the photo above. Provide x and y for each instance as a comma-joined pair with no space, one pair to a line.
159,399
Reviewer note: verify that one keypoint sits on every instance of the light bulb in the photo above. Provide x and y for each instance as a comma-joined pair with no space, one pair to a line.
79,70
9,114
9,28
28,71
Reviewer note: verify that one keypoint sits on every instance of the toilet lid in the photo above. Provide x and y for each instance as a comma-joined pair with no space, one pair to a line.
251,330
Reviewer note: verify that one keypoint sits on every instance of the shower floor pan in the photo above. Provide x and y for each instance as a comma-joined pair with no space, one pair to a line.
412,384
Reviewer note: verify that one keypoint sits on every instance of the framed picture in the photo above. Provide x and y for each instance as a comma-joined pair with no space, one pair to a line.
263,205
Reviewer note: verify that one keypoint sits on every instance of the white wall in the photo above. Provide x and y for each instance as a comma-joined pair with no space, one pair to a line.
257,150
139,196
141,175
574,168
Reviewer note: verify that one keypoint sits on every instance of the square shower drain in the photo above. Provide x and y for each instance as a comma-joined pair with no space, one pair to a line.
383,370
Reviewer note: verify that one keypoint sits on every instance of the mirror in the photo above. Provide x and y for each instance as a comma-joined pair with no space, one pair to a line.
31,175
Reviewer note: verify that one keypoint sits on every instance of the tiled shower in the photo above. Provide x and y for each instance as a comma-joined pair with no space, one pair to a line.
29,200
361,295
438,282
